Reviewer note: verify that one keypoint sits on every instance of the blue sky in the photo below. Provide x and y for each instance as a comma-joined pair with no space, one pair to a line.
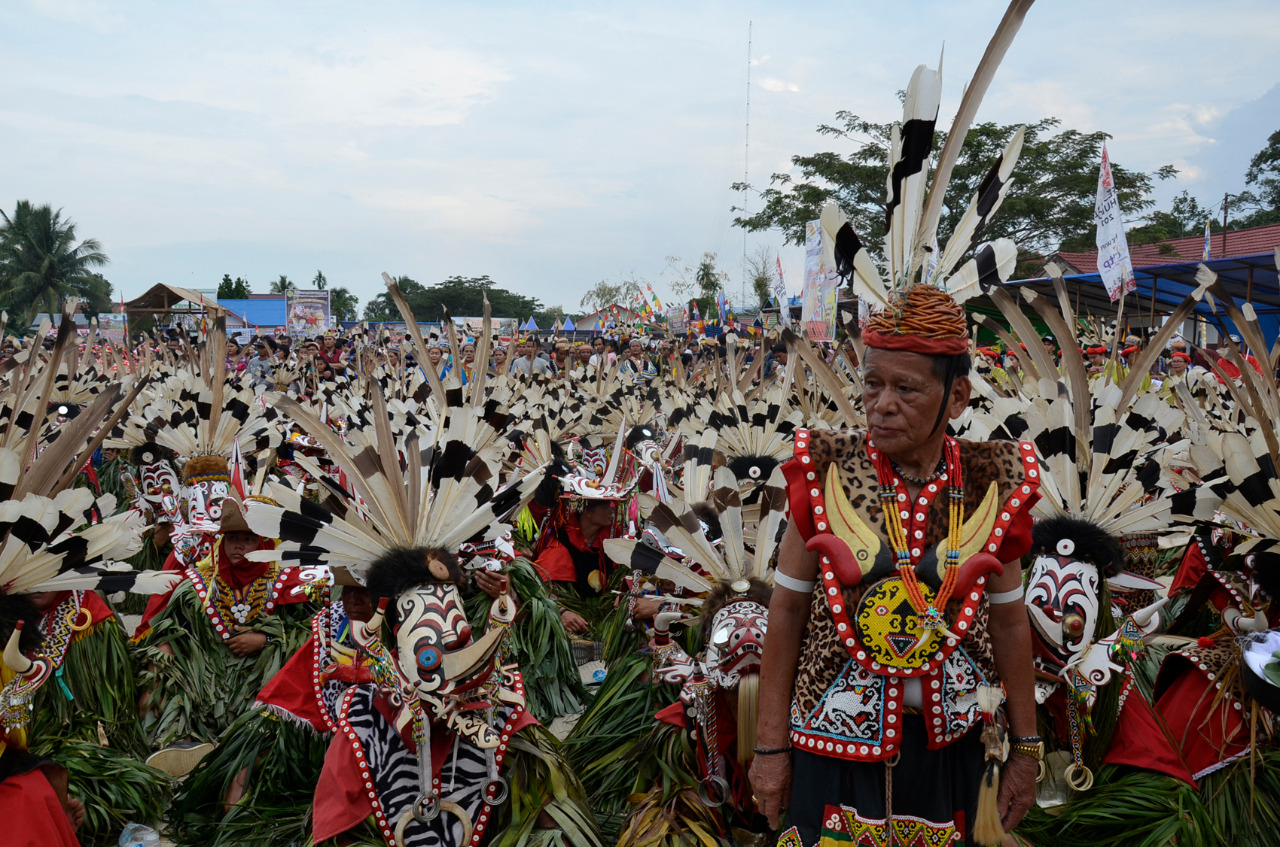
548,145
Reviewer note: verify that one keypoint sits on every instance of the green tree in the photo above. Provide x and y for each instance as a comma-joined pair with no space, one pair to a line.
283,285
1184,218
463,296
319,283
549,315
605,293
344,305
708,279
1261,203
41,263
233,289
382,308
761,274
1049,204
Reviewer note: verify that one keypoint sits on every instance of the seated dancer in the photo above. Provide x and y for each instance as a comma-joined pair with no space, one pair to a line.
570,553
707,736
87,719
420,750
267,764
224,631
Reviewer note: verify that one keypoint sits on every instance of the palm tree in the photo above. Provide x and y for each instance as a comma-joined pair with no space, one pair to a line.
283,285
41,264
343,304
319,283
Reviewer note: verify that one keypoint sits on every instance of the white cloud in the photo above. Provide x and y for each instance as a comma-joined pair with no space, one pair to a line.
769,83
366,82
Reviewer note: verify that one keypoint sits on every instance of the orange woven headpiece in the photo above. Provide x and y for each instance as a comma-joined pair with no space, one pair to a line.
922,319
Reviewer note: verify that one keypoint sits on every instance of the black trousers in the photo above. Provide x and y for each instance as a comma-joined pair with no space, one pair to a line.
937,786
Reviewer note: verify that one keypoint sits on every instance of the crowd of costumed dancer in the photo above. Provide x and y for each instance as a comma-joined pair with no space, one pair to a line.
446,591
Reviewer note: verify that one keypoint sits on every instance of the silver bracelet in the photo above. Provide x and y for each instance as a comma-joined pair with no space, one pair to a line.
791,583
1013,595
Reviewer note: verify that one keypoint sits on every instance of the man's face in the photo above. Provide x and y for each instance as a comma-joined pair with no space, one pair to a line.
597,512
584,353
468,353
598,344
237,545
328,342
1048,345
902,398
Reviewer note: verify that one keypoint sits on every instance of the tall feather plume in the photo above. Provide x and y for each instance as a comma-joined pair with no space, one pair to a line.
415,337
728,503
984,204
969,103
846,254
910,146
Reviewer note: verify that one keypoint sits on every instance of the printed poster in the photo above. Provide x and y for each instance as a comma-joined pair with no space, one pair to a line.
307,313
821,288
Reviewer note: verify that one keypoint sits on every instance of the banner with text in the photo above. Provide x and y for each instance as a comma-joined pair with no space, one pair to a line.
1113,251
821,284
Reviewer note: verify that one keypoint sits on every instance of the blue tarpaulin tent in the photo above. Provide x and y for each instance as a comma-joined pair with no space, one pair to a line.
1162,288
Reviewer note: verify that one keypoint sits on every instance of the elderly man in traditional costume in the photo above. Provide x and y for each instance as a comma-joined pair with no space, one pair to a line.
898,654
896,614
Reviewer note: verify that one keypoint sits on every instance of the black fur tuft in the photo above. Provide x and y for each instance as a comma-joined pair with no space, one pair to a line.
157,452
402,568
1092,543
18,607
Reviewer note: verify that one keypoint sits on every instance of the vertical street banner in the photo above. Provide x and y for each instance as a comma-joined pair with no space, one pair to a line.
780,294
818,299
307,313
1113,251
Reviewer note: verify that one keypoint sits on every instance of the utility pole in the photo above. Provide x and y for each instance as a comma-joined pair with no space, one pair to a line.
1226,204
746,169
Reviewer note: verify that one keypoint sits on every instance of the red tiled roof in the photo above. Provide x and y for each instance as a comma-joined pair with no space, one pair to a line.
1241,242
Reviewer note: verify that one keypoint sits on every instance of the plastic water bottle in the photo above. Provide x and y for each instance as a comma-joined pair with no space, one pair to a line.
139,835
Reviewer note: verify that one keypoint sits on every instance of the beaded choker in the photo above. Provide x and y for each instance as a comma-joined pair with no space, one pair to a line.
916,480
931,615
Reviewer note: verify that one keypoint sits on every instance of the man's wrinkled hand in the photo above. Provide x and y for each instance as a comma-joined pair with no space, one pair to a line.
1017,789
771,784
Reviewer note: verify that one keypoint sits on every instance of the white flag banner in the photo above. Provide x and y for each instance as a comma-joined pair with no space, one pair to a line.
780,292
1113,251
